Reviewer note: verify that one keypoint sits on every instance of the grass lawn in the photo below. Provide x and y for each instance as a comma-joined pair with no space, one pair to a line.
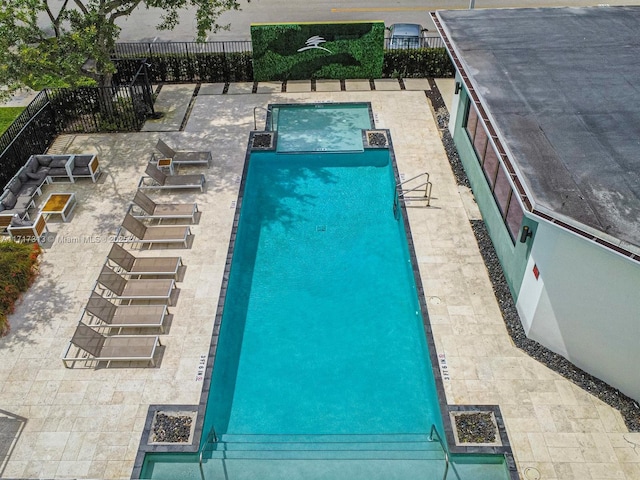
7,116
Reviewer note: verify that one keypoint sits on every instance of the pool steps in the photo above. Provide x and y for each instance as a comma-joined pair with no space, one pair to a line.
322,447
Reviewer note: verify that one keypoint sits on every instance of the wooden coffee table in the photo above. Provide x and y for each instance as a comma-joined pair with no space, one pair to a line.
59,204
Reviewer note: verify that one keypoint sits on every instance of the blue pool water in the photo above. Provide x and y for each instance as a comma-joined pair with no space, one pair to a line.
320,127
322,369
321,296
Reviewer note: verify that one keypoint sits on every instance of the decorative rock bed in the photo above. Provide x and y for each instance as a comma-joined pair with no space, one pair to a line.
475,428
262,140
376,139
172,428
628,408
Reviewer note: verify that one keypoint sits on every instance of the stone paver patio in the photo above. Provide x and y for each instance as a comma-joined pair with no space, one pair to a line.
87,423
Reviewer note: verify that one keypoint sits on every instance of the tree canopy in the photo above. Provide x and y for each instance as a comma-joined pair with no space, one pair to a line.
47,43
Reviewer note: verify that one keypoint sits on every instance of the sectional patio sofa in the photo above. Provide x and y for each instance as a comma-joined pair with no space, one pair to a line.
17,197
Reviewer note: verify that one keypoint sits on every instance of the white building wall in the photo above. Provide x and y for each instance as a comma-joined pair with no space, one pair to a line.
585,305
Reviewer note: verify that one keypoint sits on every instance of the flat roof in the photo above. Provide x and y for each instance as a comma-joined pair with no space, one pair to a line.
561,88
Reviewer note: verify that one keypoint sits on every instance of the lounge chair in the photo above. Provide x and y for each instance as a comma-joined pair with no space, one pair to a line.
117,287
94,346
103,313
151,235
124,263
182,158
143,207
158,179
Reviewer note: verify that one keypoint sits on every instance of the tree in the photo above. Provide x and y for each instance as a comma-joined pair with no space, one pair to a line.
54,43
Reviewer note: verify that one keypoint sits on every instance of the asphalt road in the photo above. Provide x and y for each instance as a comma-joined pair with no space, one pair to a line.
140,26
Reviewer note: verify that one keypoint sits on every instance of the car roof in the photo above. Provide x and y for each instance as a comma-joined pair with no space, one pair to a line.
406,29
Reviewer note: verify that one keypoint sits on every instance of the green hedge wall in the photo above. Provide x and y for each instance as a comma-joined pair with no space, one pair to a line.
418,63
345,50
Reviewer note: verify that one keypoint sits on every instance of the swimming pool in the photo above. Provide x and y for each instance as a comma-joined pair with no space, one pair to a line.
322,369
320,127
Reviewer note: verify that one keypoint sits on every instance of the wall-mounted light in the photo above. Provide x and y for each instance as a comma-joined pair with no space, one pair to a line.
458,87
526,233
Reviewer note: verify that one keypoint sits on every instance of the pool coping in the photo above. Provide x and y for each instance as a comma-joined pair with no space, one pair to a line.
445,408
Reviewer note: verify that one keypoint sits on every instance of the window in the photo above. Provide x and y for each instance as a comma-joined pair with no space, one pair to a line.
472,121
514,217
480,141
497,177
490,165
502,191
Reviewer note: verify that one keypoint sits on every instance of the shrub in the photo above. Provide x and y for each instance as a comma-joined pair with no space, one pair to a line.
18,269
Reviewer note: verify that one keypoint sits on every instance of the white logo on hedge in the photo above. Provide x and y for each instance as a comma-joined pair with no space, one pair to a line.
314,42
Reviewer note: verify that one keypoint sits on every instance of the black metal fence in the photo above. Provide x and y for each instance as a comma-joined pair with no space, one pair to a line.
413,43
32,132
207,62
83,110
211,62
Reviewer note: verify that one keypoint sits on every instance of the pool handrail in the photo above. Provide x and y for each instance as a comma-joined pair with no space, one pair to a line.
446,454
212,436
269,117
427,188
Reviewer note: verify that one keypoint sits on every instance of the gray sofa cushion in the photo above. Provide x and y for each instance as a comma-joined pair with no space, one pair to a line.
82,160
9,201
58,162
44,160
29,189
16,221
22,176
14,186
38,176
22,205
58,172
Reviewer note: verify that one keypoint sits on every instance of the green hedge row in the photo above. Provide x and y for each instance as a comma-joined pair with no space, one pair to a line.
418,63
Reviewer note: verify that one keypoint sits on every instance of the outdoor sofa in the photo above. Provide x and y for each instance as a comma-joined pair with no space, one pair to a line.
19,193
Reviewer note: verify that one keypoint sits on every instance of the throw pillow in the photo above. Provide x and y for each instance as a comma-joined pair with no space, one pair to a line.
39,176
9,201
44,160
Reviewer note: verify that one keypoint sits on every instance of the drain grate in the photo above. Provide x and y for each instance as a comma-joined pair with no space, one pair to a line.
321,228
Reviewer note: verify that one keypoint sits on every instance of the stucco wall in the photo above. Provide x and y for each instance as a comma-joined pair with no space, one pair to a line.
585,305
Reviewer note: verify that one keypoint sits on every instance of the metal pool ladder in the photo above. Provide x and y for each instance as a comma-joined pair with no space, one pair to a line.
255,118
424,186
446,454
211,438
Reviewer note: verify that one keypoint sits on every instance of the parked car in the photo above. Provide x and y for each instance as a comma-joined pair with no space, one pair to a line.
405,35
